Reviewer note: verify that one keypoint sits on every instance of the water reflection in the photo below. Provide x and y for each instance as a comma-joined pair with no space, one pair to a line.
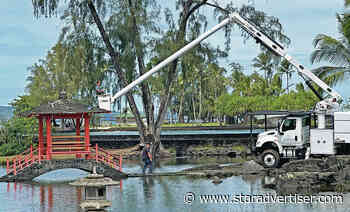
156,194
146,194
148,184
177,164
42,197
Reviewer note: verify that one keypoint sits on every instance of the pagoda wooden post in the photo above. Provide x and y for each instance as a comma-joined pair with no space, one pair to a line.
87,132
77,127
41,136
48,138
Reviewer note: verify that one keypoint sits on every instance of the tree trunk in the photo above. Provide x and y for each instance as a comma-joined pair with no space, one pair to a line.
200,95
180,37
152,127
287,83
125,111
194,108
182,98
145,91
115,57
181,112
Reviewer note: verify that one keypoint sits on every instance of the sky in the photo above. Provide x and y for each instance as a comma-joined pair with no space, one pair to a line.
24,39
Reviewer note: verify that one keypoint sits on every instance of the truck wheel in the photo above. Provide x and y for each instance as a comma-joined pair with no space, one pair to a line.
270,158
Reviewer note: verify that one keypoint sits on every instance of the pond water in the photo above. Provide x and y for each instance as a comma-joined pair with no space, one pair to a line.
51,192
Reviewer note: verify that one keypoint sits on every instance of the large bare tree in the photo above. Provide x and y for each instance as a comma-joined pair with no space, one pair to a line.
189,16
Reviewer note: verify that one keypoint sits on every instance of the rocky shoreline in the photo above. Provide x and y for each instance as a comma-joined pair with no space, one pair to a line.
313,175
296,176
299,176
229,150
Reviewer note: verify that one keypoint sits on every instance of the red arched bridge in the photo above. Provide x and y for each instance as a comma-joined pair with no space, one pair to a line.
37,161
32,163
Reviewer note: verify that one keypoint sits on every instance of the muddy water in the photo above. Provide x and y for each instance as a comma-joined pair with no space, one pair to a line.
50,192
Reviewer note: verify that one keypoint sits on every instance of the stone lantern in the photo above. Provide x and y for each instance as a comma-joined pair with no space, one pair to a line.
94,191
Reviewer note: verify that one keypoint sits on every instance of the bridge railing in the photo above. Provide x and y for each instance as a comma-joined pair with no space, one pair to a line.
101,155
25,159
34,155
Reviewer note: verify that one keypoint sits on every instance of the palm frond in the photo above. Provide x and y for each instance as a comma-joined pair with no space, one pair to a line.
346,3
331,75
344,26
330,50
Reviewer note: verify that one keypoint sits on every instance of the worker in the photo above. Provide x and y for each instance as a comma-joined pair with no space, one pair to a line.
147,158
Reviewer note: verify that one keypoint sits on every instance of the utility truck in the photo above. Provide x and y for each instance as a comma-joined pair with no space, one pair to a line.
294,137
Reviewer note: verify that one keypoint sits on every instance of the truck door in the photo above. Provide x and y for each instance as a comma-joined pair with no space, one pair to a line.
288,132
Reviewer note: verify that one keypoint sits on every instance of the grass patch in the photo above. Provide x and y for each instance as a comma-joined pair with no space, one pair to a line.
239,148
205,148
235,148
211,124
126,125
171,150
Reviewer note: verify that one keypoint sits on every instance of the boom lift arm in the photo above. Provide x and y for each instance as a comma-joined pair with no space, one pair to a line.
326,105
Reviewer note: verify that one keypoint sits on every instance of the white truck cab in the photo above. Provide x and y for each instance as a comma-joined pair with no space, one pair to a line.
294,137
289,140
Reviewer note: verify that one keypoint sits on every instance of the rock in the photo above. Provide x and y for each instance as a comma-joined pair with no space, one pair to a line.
216,180
311,165
204,167
326,177
208,175
269,182
249,151
331,161
304,181
227,174
252,167
344,175
232,154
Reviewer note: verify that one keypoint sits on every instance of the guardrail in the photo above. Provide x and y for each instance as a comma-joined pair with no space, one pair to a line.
31,156
101,155
26,159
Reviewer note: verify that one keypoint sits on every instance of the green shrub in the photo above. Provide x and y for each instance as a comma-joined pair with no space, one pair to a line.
13,148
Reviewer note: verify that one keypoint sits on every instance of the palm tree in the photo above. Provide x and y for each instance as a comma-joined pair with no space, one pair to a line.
334,51
264,63
286,68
